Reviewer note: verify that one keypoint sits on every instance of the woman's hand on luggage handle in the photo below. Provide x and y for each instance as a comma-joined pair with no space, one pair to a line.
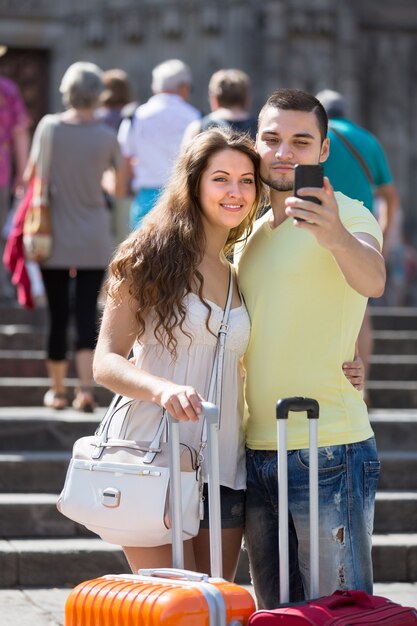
355,372
181,401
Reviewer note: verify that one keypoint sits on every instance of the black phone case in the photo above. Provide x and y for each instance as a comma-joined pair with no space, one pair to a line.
308,176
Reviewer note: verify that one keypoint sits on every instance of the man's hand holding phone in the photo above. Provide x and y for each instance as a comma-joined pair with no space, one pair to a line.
314,206
308,176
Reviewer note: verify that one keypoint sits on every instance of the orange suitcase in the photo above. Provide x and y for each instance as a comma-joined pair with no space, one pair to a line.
148,601
174,596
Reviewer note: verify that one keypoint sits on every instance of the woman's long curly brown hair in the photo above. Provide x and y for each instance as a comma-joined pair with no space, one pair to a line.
159,261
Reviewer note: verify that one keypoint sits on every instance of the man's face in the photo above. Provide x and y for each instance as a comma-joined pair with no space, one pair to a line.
284,139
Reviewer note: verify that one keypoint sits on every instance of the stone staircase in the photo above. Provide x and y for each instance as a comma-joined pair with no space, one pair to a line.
39,547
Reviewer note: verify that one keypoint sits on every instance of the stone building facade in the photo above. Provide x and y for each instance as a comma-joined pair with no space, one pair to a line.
366,49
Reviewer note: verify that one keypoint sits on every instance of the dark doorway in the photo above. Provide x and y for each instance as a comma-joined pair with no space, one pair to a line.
29,68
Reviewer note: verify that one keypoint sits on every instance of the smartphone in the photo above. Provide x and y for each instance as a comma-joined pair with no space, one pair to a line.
308,176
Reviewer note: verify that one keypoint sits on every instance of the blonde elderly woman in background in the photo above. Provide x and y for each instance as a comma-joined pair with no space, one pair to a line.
82,150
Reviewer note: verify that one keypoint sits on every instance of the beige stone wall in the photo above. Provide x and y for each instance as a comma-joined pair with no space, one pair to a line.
366,49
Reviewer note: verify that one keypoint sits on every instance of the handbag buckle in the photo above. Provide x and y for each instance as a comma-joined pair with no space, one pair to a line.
224,328
110,497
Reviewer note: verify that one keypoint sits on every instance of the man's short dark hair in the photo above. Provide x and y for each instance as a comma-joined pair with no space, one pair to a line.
297,100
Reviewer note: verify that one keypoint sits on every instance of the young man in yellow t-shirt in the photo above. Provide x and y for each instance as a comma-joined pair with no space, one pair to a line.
306,285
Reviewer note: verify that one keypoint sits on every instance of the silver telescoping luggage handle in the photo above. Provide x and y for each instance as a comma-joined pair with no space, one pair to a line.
212,595
311,407
211,415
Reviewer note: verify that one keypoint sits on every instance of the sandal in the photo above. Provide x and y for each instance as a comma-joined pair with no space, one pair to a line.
57,400
84,400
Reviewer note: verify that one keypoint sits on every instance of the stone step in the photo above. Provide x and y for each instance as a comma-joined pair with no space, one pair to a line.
31,364
22,337
395,512
39,428
25,337
44,472
61,562
395,429
37,318
386,394
57,562
398,470
15,314
17,391
33,472
395,342
400,318
27,364
393,367
35,515
395,557
394,318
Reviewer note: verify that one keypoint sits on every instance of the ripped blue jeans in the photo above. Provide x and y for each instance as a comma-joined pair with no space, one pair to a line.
348,477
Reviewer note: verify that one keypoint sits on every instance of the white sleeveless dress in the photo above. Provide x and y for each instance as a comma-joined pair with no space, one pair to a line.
193,367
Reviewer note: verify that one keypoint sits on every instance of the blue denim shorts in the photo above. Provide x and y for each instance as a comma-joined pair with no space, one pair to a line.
232,507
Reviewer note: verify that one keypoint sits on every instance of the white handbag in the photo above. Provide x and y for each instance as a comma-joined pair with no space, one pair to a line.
119,488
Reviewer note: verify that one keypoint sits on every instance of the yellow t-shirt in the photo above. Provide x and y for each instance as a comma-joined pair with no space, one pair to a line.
305,320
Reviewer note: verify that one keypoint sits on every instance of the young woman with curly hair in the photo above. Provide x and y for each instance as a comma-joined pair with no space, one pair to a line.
167,288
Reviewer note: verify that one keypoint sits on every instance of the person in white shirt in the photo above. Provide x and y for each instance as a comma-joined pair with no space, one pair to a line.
151,139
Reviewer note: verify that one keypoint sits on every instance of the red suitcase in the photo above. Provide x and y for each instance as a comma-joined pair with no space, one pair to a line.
342,608
169,597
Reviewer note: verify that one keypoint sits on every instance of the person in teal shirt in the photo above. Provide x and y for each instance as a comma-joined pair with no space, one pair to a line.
357,167
357,163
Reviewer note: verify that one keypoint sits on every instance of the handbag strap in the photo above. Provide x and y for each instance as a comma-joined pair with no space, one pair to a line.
43,161
103,431
349,145
216,376
214,394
